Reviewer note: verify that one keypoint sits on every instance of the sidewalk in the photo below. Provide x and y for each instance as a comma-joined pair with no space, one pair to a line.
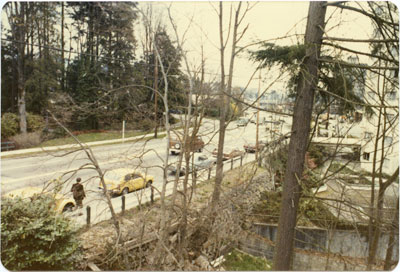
5,154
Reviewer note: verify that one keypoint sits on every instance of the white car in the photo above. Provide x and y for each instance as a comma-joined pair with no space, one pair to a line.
200,162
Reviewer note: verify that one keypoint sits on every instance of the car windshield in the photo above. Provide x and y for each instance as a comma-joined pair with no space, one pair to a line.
113,175
202,158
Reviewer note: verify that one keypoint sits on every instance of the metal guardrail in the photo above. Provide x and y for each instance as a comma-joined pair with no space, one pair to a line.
152,195
10,145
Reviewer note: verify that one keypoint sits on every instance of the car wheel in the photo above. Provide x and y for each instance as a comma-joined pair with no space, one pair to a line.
68,207
125,191
148,184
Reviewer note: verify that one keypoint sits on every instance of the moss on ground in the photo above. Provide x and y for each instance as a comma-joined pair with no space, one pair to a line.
237,260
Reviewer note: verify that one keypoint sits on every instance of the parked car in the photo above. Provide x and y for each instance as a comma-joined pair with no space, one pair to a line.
124,180
252,147
194,144
242,122
200,162
175,111
61,203
203,162
229,153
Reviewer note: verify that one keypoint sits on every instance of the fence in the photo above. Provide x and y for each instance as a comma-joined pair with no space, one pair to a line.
5,146
134,199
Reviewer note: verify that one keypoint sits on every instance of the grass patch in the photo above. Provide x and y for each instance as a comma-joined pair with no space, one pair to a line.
100,136
359,180
92,137
340,168
377,175
312,212
237,260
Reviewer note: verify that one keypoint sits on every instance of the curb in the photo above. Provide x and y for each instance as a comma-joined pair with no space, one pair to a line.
6,154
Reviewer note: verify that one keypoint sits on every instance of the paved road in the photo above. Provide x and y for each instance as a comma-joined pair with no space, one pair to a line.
36,170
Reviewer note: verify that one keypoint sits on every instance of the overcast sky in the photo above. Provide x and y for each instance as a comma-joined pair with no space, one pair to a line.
266,20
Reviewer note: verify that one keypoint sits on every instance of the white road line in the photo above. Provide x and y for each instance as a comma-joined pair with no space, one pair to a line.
12,180
7,168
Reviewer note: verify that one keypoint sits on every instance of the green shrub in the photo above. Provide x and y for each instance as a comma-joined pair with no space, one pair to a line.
27,140
269,206
9,125
34,237
318,153
146,124
34,122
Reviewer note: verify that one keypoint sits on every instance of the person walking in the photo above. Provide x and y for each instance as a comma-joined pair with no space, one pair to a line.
78,193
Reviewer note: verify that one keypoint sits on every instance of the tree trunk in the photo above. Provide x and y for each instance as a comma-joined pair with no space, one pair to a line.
389,251
62,49
377,226
225,99
19,32
372,228
221,138
300,135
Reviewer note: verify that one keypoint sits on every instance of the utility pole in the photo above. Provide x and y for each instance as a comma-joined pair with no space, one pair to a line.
258,112
155,89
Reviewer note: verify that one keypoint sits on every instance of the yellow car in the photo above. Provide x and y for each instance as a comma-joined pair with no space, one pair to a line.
62,203
123,181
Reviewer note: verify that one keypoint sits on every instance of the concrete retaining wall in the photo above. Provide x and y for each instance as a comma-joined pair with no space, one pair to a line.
345,243
318,249
304,260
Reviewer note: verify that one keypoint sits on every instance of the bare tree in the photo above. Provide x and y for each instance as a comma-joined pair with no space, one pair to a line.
16,14
225,91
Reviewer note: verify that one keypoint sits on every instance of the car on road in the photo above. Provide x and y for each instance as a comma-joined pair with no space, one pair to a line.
200,162
61,202
124,180
229,153
194,144
175,111
252,147
242,122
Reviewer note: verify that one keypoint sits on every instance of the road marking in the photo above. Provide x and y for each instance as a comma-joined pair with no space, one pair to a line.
12,180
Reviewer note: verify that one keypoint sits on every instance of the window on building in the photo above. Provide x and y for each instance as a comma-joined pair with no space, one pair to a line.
386,163
391,95
368,135
366,156
388,141
390,117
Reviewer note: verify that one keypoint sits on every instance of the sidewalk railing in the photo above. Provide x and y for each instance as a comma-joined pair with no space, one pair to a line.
144,196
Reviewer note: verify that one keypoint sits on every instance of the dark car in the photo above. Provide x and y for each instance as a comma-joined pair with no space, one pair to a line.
175,111
252,148
229,153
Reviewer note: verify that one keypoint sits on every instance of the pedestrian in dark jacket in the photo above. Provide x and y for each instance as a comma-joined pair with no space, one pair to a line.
78,192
